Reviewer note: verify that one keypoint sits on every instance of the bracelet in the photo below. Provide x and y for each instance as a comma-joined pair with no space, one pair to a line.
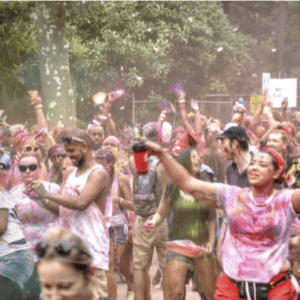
181,101
38,106
103,117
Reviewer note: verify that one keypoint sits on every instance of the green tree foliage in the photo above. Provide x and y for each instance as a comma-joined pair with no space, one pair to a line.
18,39
148,45
145,46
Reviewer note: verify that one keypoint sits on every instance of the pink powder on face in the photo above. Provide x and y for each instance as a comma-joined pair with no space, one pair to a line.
113,140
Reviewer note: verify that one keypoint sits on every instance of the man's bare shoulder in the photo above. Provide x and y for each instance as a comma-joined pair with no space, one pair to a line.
99,173
69,171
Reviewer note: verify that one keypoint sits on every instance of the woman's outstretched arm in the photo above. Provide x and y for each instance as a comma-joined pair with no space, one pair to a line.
201,190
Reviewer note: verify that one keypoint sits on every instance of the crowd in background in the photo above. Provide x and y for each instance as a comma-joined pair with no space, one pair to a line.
104,215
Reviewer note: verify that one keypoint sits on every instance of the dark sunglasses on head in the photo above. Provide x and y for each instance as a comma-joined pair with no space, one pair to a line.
29,149
62,248
69,139
32,167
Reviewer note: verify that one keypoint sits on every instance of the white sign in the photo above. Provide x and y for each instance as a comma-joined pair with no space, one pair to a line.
280,88
265,81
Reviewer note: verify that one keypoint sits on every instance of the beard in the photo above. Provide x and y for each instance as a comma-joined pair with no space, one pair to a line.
96,145
80,162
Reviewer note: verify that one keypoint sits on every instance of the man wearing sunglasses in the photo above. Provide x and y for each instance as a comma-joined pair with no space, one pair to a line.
82,201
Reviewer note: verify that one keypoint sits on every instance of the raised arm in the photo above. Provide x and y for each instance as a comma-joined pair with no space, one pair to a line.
36,102
183,114
105,119
284,105
198,122
264,139
201,190
162,117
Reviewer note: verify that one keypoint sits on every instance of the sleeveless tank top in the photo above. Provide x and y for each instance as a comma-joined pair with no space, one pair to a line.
89,224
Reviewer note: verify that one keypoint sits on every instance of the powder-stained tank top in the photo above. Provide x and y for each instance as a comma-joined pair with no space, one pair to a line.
88,224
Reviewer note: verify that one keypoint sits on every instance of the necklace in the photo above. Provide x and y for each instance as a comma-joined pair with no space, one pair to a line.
266,202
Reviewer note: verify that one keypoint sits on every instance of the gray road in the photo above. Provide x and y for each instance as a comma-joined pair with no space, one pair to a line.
156,294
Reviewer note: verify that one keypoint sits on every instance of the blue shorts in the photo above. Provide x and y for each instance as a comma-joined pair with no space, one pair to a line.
171,255
121,233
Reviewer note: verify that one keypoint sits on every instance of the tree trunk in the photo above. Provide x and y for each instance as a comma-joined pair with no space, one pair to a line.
57,91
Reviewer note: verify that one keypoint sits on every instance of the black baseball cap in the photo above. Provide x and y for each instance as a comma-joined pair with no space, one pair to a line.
234,133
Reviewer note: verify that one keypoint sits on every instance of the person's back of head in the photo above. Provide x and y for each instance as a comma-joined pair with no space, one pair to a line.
152,132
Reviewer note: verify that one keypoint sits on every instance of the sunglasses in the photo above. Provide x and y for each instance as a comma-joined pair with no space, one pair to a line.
63,155
32,167
62,248
69,139
29,149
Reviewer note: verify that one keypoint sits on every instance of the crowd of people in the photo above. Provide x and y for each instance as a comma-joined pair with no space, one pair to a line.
218,202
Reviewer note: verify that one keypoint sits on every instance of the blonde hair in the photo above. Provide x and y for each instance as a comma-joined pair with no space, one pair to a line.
80,256
35,155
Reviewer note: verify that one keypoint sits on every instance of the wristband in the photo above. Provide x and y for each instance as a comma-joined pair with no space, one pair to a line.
181,101
103,117
38,106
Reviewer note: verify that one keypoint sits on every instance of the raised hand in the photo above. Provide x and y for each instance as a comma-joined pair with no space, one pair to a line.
284,103
194,105
181,96
112,96
34,97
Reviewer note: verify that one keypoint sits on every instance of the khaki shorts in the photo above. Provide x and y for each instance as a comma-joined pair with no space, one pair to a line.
100,283
144,242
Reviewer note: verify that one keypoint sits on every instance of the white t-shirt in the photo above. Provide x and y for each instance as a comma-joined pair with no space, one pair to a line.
256,243
13,239
35,220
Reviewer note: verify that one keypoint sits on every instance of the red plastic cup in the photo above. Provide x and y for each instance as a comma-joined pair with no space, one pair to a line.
141,157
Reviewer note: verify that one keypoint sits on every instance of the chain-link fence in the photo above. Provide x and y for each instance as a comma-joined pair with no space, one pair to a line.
218,106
